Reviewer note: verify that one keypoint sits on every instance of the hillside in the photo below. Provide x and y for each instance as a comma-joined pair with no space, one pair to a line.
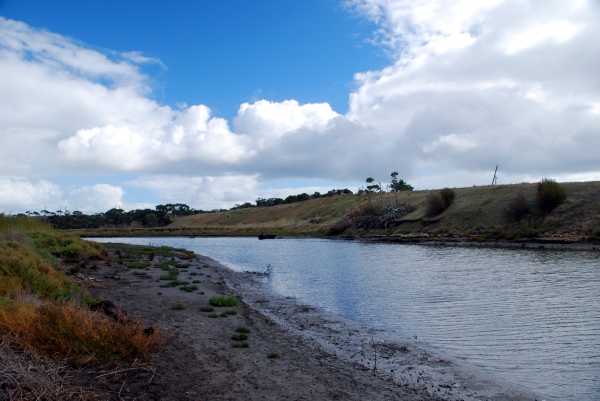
476,212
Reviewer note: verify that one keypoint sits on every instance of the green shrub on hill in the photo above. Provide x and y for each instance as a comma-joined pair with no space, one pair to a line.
438,202
549,195
448,196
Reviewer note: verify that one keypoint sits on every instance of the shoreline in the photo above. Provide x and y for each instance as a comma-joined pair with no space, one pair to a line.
321,356
555,243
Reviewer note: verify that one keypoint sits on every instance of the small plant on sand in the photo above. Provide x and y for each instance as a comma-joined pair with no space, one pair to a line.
178,307
196,282
189,288
207,309
171,276
241,345
159,293
138,265
230,312
239,337
242,329
223,301
273,355
213,315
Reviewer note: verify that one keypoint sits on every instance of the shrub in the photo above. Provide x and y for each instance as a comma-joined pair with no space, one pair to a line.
65,330
207,309
448,196
242,329
517,208
223,301
435,204
549,195
340,227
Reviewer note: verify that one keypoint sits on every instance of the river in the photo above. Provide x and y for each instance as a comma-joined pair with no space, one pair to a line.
531,317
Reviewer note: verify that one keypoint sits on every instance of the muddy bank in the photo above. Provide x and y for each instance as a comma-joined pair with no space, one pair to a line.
294,351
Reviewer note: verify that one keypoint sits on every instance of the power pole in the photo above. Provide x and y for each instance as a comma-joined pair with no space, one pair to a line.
495,179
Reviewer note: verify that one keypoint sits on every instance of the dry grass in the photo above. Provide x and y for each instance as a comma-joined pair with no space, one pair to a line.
25,376
67,331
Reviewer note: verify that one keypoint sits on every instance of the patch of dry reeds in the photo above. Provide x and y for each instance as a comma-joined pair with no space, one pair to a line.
25,376
68,331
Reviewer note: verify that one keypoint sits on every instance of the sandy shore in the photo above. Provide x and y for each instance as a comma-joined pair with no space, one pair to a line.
320,357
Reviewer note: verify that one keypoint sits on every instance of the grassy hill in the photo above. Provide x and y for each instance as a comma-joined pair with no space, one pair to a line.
476,212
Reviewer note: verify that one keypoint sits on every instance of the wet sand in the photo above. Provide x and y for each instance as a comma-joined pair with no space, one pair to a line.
320,356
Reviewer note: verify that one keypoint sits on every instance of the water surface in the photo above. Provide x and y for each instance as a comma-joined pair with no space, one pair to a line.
531,317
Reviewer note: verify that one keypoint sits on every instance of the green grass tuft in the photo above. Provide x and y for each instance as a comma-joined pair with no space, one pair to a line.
239,337
223,301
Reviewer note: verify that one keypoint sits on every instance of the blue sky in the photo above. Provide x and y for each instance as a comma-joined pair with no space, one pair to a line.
215,103
224,53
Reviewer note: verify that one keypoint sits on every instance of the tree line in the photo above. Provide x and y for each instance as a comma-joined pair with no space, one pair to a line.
162,215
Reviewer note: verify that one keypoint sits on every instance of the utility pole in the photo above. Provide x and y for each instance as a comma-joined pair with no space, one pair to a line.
495,179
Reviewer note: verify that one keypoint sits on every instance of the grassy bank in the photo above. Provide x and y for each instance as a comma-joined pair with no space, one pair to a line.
44,316
477,212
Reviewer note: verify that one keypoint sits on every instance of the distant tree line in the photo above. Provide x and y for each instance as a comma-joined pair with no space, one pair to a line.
295,198
116,217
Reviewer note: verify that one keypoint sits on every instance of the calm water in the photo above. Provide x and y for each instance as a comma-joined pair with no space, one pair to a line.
529,316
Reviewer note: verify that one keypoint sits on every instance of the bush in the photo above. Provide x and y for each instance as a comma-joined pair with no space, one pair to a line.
340,227
448,196
549,195
517,208
435,204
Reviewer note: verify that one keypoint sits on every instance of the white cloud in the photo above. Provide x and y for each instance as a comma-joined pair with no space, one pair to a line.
210,193
521,92
139,58
94,198
18,194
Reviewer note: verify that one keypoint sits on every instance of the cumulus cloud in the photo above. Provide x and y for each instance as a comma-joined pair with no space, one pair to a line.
469,85
99,197
17,194
211,193
479,84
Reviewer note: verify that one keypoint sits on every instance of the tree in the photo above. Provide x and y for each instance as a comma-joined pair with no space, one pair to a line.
399,185
372,187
